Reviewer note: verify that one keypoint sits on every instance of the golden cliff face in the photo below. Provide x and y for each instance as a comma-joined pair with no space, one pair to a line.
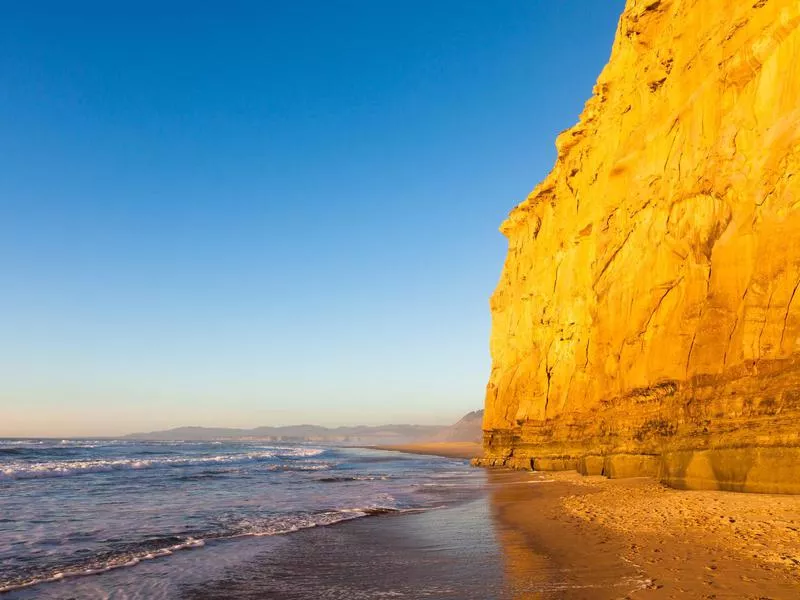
647,320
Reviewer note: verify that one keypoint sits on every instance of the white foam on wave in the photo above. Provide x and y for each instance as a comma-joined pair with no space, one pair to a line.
268,526
291,524
300,467
299,452
44,445
293,451
64,468
18,443
129,560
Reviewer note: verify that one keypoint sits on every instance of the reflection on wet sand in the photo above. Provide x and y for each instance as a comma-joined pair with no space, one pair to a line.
512,542
547,554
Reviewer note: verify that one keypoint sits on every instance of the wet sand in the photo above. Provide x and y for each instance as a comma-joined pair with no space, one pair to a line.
696,544
440,554
503,545
446,449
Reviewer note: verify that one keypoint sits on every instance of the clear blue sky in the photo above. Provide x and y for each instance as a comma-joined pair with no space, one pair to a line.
253,213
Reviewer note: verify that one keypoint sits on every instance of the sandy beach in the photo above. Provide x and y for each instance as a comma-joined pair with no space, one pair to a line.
446,449
702,544
679,544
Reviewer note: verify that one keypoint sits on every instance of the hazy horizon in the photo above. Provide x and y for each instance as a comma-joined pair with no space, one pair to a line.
233,427
425,419
274,213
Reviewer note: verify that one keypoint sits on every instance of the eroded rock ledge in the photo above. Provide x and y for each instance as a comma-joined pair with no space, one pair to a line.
647,320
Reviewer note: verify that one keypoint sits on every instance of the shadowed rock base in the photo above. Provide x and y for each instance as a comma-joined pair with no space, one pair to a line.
734,432
760,470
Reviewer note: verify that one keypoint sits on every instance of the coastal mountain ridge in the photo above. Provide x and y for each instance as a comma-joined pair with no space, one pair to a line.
466,429
647,320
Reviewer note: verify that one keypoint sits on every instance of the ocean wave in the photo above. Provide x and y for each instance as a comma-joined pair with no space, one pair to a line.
13,451
255,527
64,468
56,445
103,566
204,475
290,523
348,478
19,442
42,451
159,548
300,467
296,451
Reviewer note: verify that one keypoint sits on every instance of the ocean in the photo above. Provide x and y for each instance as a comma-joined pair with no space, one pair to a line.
130,519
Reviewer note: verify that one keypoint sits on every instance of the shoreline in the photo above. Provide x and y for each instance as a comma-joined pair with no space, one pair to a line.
704,543
549,536
474,549
465,450
543,535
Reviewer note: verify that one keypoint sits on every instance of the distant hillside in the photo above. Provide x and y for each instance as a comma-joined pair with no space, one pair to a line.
468,429
384,434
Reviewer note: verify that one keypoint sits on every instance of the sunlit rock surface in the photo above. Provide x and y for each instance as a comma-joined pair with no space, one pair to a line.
647,320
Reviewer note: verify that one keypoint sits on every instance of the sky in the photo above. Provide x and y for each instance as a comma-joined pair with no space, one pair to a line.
250,213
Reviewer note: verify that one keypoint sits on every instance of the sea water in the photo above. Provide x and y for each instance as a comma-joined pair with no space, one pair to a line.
84,509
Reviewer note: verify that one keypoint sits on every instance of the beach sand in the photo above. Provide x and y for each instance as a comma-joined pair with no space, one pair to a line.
446,449
701,544
680,544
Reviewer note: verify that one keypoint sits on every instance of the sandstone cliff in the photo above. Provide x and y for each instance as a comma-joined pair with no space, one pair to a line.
647,320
